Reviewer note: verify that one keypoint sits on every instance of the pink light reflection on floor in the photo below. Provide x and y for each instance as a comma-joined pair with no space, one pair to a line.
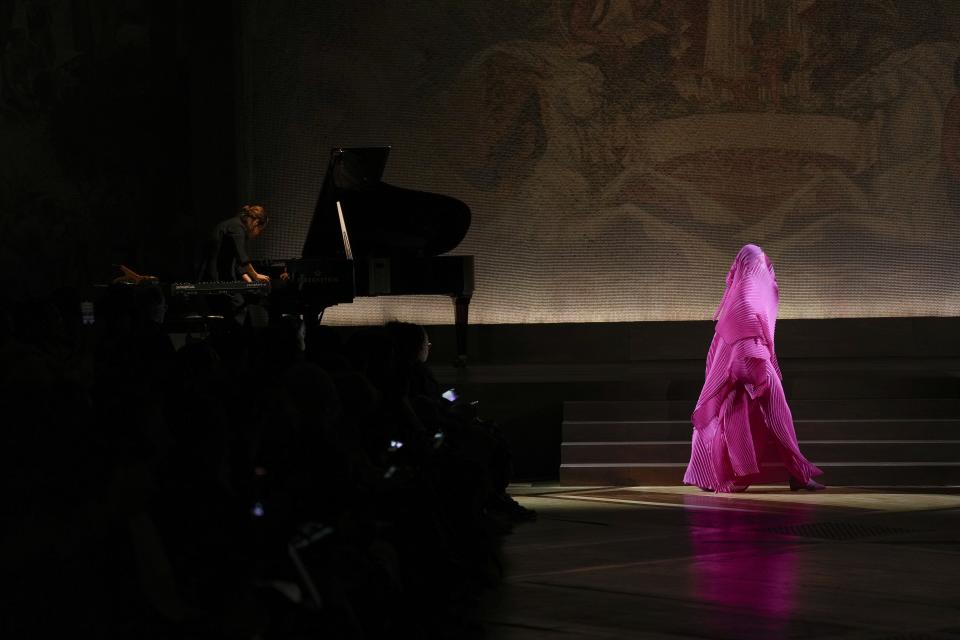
742,569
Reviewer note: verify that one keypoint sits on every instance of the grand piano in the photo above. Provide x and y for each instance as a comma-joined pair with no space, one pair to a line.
369,238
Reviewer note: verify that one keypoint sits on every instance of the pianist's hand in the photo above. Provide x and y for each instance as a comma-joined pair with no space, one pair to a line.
132,277
262,278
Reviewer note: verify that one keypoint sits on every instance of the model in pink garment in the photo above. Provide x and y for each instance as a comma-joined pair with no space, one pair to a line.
742,428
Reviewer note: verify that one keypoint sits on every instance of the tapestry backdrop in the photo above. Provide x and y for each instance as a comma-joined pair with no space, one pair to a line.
617,153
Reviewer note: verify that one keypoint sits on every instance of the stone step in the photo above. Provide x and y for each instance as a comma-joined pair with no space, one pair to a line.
832,408
864,474
679,430
824,386
817,451
818,385
624,382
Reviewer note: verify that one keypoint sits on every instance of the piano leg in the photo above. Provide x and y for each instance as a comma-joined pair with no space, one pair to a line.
461,309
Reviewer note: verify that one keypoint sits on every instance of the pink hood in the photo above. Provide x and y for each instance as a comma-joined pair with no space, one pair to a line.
749,305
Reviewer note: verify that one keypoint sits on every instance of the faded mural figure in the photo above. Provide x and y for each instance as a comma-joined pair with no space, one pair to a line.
753,49
906,95
742,427
559,118
553,107
950,141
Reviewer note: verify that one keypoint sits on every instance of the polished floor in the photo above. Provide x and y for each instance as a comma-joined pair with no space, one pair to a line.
675,562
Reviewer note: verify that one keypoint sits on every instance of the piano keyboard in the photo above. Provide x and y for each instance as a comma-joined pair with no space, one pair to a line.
194,288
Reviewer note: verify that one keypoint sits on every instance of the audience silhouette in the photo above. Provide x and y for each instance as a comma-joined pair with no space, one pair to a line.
268,483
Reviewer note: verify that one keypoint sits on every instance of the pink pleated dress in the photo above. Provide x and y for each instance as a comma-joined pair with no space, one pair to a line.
742,427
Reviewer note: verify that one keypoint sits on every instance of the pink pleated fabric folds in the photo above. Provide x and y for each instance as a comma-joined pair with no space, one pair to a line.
742,427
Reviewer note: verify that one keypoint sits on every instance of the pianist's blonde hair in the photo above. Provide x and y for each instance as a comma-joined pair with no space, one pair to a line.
252,211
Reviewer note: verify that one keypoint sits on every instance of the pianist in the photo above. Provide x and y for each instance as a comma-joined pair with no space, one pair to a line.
225,253
225,258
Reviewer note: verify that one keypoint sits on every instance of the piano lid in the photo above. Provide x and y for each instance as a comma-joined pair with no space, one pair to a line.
347,170
381,219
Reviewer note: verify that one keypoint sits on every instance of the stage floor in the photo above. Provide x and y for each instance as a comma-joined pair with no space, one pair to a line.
676,562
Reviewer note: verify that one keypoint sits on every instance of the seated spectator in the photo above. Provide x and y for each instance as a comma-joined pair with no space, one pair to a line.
456,418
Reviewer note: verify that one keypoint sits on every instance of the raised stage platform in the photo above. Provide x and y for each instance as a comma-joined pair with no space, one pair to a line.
876,400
